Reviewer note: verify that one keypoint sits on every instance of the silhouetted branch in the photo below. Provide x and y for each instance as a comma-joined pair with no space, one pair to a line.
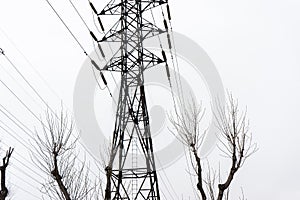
3,167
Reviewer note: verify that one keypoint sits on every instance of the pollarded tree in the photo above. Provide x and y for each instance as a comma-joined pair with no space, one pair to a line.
66,177
234,137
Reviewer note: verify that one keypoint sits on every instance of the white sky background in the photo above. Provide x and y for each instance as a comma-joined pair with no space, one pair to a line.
254,45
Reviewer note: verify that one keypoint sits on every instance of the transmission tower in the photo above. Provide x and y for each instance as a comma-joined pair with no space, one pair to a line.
128,177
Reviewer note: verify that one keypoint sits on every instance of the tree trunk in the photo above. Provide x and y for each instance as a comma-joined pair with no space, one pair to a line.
58,178
199,173
108,183
233,170
4,190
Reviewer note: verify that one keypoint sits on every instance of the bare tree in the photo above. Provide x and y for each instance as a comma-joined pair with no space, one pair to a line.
3,167
234,137
55,154
187,126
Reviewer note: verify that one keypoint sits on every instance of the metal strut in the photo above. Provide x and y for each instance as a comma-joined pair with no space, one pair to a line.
130,176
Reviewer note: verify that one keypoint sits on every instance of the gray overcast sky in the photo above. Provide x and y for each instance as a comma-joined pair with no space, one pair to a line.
254,45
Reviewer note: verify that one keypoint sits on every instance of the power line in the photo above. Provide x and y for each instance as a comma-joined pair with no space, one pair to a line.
28,83
80,16
27,133
12,135
172,188
175,53
23,103
94,21
30,64
131,64
62,21
35,91
78,13
21,86
60,18
30,193
24,165
66,27
22,171
168,180
28,175
14,119
162,180
14,94
40,97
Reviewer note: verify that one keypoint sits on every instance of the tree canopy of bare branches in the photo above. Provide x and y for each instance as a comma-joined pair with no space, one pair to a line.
234,138
186,124
55,154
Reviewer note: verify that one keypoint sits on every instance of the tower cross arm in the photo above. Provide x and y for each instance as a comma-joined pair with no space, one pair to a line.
113,8
148,58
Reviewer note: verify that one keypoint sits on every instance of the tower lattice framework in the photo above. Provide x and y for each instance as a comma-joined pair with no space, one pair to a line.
128,178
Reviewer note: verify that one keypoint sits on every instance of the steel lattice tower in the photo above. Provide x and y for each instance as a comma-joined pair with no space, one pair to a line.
132,130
